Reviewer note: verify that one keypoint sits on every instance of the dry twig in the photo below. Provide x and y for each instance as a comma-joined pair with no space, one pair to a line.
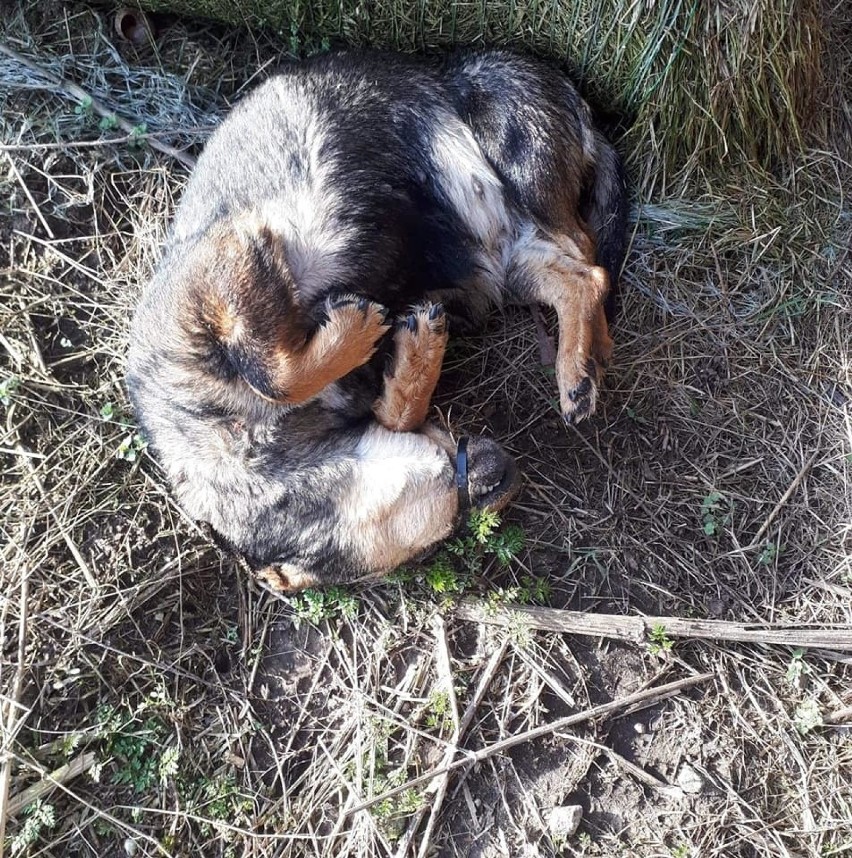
637,629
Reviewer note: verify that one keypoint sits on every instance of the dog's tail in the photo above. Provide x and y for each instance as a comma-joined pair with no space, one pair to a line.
606,214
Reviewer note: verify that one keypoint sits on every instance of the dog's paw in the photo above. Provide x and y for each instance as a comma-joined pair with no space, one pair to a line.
353,324
413,369
420,338
579,392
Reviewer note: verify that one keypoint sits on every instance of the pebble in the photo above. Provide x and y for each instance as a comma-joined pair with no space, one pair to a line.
564,821
689,780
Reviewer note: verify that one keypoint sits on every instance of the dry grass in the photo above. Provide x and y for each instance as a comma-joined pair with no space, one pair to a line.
702,83
137,652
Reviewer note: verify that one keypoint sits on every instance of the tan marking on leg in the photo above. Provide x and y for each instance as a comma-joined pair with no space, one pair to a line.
284,578
347,340
418,358
557,272
601,340
576,292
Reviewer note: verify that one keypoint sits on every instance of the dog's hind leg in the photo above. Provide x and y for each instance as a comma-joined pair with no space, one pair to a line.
420,340
542,270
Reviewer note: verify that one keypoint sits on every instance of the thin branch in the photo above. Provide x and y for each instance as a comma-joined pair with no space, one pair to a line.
646,697
71,90
73,769
637,629
12,723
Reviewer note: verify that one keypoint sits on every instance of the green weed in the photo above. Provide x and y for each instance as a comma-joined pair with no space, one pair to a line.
714,513
130,448
807,716
39,816
660,643
797,669
7,387
329,604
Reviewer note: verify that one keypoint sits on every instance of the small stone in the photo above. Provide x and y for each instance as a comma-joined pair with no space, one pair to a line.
639,727
689,780
564,821
130,847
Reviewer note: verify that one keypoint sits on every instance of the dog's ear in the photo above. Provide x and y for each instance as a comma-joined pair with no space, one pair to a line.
239,307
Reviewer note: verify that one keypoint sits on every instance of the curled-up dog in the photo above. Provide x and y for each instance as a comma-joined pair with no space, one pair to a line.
341,219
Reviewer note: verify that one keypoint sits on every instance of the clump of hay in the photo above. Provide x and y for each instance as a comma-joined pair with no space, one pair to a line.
701,82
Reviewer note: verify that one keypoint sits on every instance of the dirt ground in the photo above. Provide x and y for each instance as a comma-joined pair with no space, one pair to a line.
155,702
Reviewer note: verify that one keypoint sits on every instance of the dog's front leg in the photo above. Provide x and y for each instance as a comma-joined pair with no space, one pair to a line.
420,341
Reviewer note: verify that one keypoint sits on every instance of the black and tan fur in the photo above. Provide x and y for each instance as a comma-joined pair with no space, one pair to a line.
285,353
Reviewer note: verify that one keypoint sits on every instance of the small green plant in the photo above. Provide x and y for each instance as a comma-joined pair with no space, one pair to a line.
219,799
295,39
85,107
329,604
108,123
711,513
134,752
134,746
807,716
130,448
438,711
39,817
442,576
108,411
768,554
7,387
660,643
682,850
797,669
137,135
483,539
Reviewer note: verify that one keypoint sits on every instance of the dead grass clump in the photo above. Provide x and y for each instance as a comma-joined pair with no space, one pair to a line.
154,703
703,83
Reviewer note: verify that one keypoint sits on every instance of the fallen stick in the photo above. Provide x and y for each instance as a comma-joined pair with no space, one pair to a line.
637,629
49,782
646,697
82,97
12,724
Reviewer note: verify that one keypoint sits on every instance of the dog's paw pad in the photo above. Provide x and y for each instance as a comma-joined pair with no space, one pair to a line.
580,400
581,390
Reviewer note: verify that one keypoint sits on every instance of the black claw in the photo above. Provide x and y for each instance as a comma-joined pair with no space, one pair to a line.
384,311
581,389
411,322
437,310
578,413
362,303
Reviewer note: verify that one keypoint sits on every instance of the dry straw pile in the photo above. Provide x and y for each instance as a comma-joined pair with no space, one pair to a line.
155,703
698,81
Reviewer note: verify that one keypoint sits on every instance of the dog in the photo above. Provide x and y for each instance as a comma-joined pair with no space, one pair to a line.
340,220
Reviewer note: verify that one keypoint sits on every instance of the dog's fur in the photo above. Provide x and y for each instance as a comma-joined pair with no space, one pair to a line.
348,207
